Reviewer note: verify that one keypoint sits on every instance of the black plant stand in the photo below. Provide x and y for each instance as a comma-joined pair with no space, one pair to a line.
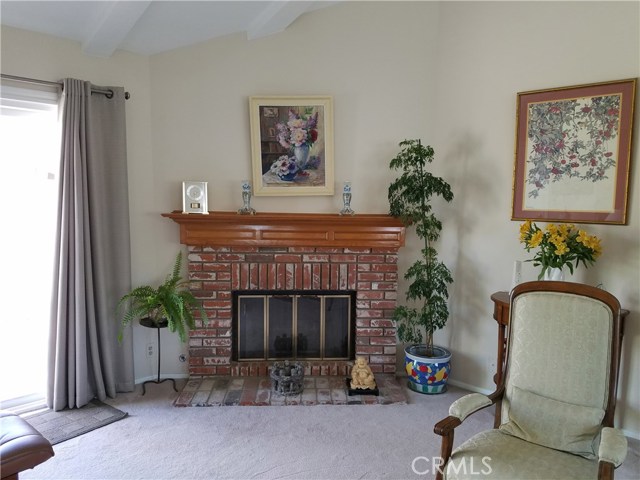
147,322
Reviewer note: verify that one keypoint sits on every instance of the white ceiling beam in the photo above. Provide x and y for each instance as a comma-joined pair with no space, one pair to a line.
276,18
113,26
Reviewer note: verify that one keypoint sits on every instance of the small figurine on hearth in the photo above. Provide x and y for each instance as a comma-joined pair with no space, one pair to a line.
362,376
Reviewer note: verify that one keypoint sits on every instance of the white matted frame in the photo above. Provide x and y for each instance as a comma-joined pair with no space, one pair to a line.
292,145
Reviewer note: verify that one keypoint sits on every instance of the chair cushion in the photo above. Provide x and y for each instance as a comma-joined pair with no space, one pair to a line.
554,424
494,454
560,347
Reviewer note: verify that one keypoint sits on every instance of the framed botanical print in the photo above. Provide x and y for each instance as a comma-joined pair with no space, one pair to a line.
573,153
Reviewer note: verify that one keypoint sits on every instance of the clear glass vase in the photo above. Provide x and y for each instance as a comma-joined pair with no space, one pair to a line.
554,274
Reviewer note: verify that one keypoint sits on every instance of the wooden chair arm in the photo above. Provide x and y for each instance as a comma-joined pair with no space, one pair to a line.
498,394
446,429
605,470
612,450
445,426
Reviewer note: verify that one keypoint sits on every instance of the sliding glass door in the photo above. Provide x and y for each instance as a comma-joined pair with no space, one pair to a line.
29,160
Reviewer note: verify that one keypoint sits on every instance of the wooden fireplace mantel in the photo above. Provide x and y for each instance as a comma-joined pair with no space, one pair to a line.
218,229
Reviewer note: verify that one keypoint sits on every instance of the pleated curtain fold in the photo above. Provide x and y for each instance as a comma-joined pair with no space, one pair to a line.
93,264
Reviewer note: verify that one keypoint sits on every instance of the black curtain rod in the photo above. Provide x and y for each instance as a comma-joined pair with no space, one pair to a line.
105,91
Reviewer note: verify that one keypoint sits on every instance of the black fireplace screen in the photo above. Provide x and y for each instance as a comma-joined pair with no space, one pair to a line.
270,325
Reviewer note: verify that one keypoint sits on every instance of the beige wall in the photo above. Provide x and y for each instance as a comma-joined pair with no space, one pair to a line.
488,53
445,72
200,109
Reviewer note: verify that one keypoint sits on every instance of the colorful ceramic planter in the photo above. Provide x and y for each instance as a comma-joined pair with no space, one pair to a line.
427,373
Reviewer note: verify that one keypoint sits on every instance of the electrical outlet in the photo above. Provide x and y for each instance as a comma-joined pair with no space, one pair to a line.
150,350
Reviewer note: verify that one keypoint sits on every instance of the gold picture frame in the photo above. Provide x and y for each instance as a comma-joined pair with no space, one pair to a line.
573,153
292,145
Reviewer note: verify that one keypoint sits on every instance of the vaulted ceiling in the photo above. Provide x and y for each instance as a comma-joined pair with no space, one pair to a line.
148,27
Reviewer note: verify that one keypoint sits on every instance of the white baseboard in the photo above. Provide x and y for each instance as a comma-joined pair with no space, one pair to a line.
471,388
630,434
151,378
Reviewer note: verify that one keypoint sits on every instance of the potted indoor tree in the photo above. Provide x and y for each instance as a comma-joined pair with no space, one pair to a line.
169,305
409,200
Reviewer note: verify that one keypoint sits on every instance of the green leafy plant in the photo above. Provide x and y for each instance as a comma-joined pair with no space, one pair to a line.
172,302
409,200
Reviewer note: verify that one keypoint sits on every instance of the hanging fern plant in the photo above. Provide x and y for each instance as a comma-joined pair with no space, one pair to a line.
409,200
172,302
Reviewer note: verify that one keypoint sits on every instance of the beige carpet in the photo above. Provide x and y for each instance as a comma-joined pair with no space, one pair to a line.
320,442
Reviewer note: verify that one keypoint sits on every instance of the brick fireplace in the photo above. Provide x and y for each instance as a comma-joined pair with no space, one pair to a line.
270,251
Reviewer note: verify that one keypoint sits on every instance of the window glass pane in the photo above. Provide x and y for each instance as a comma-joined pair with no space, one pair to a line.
251,329
309,309
280,327
336,340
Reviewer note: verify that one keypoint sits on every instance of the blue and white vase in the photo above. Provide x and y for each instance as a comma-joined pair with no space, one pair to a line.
302,155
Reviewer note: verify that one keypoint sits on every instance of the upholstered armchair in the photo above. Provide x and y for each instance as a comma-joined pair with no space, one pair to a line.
555,403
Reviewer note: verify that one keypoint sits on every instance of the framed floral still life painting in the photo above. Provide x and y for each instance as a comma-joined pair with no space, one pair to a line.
573,153
292,145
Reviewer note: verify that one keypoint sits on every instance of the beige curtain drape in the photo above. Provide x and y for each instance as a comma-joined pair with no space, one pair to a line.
93,264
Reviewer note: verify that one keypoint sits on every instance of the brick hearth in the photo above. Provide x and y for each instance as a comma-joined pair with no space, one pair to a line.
230,252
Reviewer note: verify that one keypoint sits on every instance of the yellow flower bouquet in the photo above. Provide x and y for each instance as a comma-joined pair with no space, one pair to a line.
559,245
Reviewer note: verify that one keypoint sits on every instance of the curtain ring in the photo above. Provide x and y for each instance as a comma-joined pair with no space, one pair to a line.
109,95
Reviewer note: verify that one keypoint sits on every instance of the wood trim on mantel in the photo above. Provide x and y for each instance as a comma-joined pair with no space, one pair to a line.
220,229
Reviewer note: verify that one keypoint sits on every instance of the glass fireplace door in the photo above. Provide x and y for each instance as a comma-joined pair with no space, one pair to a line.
281,325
